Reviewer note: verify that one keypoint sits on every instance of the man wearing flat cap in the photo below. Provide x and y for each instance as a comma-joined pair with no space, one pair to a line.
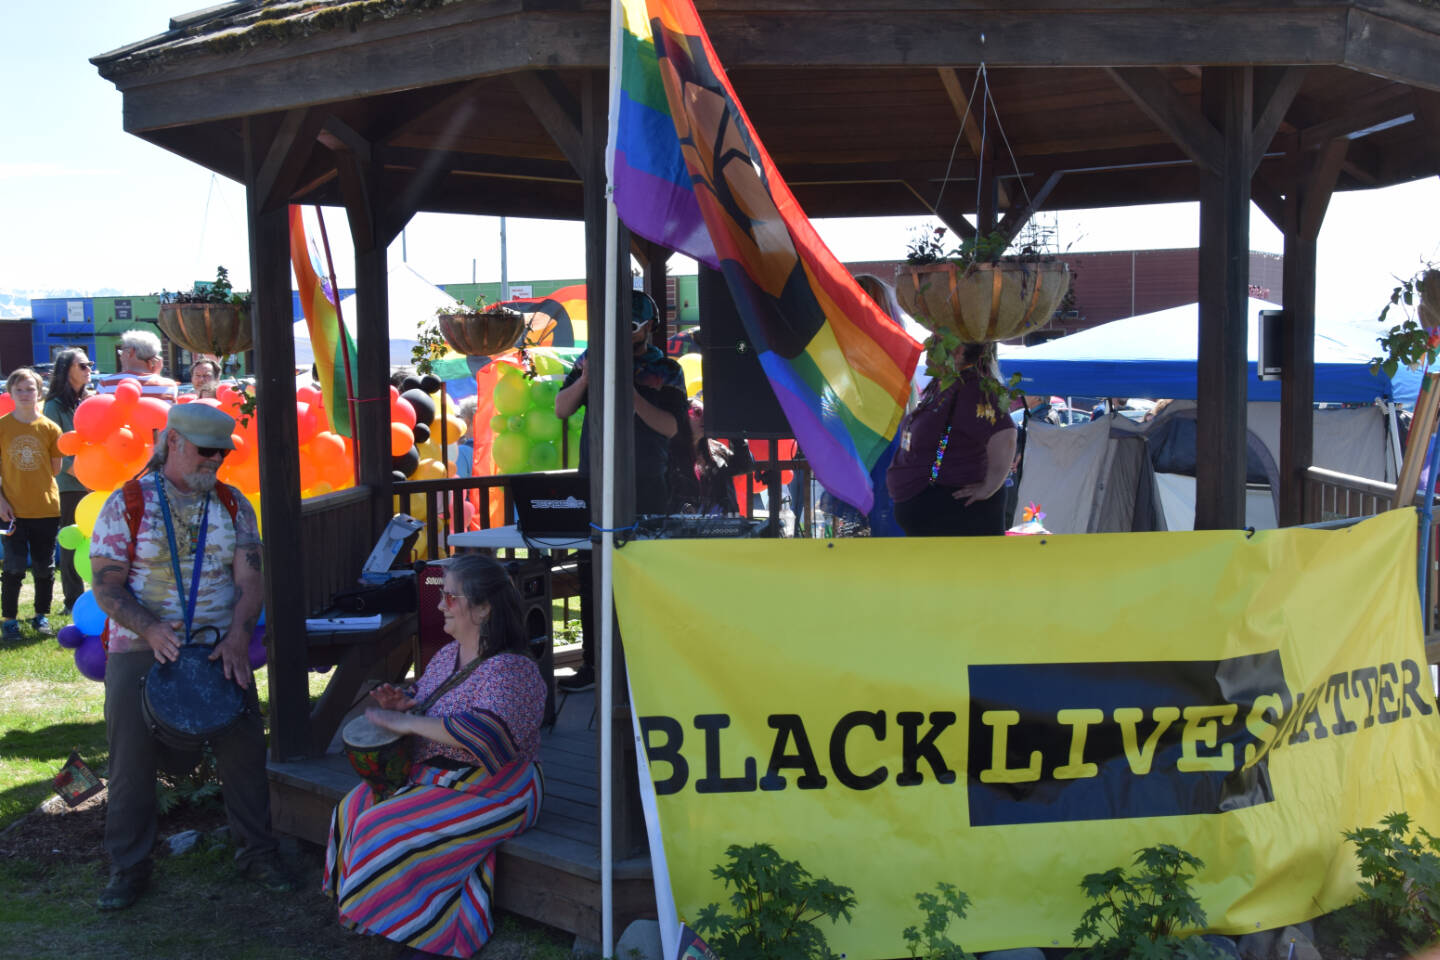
176,558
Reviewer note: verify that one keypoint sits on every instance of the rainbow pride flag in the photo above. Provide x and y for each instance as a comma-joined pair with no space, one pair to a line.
328,336
691,175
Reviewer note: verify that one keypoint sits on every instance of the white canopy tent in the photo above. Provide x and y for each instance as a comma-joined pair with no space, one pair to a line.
413,301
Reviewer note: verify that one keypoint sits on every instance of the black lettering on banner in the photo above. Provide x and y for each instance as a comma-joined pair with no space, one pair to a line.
1366,677
839,737
1340,688
916,748
789,727
1412,689
668,752
1387,693
713,782
1103,741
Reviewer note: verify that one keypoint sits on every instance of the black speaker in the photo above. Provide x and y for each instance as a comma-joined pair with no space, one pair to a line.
1268,364
738,398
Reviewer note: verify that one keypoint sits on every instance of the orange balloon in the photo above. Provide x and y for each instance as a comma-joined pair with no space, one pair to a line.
306,422
148,414
7,403
402,412
127,393
96,418
402,438
123,445
95,468
69,443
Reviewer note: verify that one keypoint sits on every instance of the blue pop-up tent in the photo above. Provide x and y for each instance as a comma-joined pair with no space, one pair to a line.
1153,355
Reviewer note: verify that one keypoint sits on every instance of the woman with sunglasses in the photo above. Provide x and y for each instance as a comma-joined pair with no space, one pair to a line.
419,867
69,385
29,502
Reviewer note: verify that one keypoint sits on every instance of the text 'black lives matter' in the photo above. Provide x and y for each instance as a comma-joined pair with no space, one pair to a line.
1063,742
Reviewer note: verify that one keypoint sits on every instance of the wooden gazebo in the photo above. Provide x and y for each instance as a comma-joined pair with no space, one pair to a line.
391,107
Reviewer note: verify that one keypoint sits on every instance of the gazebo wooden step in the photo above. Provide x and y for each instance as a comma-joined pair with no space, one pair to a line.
551,873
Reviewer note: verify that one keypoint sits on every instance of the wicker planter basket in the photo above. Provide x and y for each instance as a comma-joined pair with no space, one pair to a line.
217,329
984,302
482,334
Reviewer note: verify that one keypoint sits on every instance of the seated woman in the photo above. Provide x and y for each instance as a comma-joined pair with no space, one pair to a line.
418,868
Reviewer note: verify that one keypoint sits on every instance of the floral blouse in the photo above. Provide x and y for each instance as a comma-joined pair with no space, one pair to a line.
495,713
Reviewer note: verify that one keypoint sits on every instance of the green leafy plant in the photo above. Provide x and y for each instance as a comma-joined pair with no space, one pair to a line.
220,291
931,940
1400,890
928,246
775,906
429,344
1416,339
1141,913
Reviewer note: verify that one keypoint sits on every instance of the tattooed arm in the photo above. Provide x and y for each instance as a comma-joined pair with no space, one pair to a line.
234,648
110,584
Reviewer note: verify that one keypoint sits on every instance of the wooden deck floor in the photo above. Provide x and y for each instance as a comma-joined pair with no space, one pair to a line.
551,873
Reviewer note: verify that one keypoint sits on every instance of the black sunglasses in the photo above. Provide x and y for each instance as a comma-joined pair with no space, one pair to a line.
208,452
86,365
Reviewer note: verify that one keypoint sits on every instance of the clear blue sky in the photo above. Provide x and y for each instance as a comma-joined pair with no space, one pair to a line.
88,206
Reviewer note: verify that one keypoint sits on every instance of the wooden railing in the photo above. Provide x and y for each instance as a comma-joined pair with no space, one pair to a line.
1331,496
336,528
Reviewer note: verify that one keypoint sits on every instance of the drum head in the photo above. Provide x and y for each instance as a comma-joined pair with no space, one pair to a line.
361,734
189,700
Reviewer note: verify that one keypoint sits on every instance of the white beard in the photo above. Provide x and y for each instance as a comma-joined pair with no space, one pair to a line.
201,481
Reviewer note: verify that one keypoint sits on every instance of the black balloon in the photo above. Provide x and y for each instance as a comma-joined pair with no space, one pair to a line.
421,431
407,462
429,383
411,382
424,406
398,477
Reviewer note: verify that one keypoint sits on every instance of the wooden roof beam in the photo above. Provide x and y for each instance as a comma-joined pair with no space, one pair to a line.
1015,220
288,153
949,214
1427,116
1389,103
355,169
1275,90
1171,112
557,111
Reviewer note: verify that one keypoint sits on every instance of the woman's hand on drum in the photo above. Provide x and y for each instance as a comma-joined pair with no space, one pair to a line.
391,697
163,639
234,653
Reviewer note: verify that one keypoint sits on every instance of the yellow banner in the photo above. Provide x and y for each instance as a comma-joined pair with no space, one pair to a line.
1010,714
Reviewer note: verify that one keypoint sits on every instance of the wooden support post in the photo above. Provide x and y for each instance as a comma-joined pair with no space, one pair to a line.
1309,194
1227,98
272,318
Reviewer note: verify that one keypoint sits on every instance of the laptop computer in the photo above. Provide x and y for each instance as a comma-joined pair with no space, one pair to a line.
553,506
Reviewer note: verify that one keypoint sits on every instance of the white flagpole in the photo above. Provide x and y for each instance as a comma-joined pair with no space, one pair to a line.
607,508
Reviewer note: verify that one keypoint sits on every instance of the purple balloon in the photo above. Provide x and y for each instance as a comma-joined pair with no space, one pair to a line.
90,658
258,653
70,636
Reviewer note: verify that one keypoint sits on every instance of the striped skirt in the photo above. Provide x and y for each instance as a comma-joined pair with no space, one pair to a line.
419,867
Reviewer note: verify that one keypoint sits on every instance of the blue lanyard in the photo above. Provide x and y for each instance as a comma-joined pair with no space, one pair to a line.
175,553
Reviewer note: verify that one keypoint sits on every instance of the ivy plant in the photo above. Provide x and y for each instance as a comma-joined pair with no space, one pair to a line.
775,908
1143,912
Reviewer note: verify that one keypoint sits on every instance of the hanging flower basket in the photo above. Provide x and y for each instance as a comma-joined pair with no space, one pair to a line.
982,301
216,329
487,333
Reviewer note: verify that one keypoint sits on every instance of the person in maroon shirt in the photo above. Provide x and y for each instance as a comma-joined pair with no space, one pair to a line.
956,449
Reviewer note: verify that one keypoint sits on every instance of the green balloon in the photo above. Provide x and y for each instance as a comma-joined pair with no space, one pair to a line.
542,394
82,562
515,424
572,444
542,426
70,537
512,396
511,452
499,423
544,456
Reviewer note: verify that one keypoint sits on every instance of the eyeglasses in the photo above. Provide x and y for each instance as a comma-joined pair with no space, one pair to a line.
85,364
208,452
451,598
